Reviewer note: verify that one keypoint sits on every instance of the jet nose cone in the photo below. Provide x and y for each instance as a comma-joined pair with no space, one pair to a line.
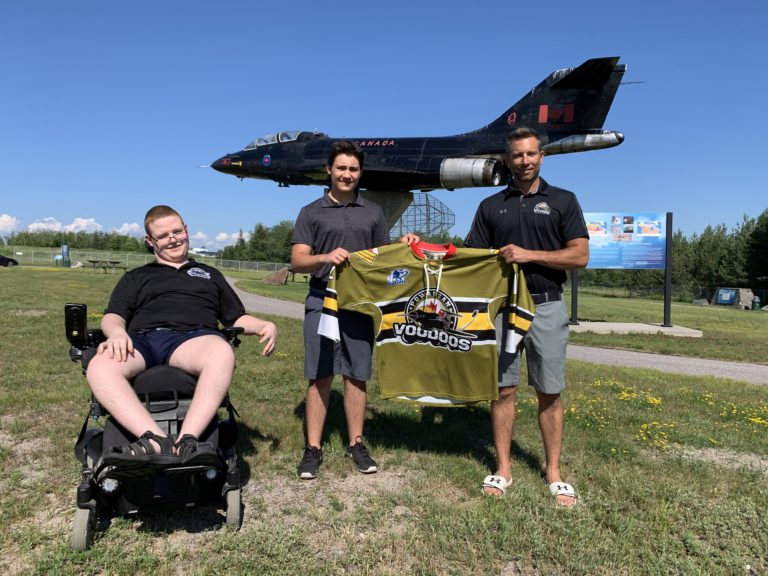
620,137
220,163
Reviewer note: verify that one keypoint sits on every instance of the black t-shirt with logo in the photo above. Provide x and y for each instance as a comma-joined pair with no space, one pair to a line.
545,220
188,298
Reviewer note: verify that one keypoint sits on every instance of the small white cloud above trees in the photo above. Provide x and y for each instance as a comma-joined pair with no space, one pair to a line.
83,225
226,238
8,224
198,238
46,224
132,229
51,224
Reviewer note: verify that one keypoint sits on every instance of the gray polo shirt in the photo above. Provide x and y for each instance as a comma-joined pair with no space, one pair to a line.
326,225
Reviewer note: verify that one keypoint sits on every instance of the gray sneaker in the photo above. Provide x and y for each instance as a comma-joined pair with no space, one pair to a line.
310,462
363,461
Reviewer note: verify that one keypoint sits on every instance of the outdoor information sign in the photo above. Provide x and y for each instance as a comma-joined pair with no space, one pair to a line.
627,240
726,296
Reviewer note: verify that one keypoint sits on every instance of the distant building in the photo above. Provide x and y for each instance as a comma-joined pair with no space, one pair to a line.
203,252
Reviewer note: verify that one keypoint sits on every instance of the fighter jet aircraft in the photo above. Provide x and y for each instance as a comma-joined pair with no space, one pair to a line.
568,109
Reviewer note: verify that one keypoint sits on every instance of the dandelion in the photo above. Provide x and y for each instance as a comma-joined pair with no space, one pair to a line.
758,421
627,394
655,434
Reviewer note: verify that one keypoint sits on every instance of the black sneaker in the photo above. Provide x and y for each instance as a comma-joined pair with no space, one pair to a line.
310,462
363,461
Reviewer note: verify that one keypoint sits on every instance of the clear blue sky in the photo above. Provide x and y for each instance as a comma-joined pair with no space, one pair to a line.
108,108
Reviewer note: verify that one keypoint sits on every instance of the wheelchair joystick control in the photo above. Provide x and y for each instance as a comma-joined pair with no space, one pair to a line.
76,324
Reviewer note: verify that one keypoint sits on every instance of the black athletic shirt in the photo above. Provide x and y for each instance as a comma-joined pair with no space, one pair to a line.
546,220
160,296
326,225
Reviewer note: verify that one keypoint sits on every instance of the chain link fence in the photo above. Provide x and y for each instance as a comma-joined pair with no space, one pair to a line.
83,258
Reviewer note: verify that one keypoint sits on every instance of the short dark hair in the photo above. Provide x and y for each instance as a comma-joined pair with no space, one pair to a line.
521,133
157,212
345,147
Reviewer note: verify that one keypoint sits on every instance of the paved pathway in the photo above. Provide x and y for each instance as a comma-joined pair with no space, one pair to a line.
754,373
263,305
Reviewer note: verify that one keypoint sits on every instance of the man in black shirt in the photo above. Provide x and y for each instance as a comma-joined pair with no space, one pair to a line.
541,228
168,312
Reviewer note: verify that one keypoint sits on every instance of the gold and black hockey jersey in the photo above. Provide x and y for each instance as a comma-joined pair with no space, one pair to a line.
433,308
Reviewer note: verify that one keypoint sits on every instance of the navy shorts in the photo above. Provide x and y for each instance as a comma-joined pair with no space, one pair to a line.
157,346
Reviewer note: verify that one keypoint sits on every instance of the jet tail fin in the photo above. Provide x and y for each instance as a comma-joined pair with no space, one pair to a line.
568,101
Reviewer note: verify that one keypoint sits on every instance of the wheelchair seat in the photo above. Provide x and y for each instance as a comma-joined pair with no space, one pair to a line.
166,392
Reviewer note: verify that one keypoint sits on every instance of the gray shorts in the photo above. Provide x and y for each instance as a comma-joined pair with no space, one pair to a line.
323,357
545,347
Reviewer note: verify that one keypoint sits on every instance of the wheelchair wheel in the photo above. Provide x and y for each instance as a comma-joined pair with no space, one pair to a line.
234,509
82,529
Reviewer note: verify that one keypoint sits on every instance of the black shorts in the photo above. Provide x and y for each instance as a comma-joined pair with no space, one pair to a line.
157,346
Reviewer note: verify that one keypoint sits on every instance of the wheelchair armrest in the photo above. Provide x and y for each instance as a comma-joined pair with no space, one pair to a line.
80,338
85,353
76,324
231,334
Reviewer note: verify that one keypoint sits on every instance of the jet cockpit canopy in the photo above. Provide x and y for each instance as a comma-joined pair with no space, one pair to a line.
286,136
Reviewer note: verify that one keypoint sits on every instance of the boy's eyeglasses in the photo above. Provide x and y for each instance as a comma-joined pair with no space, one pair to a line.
166,238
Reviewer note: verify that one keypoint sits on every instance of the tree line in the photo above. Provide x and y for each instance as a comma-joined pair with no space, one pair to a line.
110,241
265,244
735,258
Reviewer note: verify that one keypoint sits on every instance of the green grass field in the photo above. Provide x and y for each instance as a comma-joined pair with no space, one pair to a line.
671,470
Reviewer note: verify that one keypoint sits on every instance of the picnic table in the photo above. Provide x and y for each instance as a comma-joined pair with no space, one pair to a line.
293,275
106,265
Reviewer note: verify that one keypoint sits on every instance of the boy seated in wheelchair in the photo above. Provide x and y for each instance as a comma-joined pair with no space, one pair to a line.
168,312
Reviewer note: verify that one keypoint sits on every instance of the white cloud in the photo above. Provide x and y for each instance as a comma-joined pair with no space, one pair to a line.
199,239
133,229
227,238
77,225
8,224
83,225
45,224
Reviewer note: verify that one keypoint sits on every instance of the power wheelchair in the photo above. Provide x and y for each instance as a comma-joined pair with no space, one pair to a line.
105,491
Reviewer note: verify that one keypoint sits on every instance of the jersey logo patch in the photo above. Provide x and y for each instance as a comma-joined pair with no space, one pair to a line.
199,273
397,277
432,318
542,208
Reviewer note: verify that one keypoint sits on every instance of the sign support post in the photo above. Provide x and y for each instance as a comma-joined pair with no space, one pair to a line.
668,275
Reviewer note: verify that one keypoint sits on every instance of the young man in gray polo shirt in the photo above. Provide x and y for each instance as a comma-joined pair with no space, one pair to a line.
325,233
541,228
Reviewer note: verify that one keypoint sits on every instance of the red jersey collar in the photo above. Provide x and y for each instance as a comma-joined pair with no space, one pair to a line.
422,250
